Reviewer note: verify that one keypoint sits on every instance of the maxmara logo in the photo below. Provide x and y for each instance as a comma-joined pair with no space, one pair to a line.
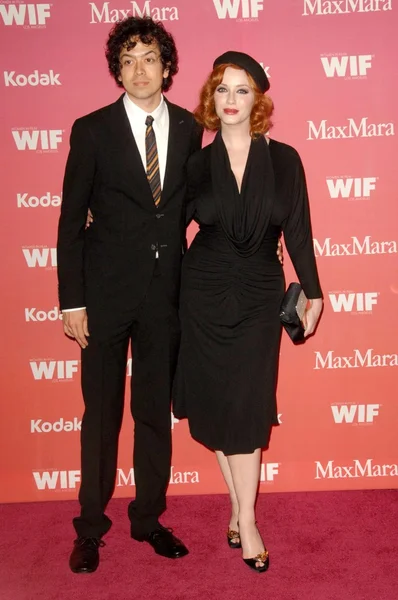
104,13
29,16
54,370
25,200
355,414
349,67
238,9
351,188
356,360
39,256
352,129
123,478
13,79
355,247
357,469
354,302
42,141
343,7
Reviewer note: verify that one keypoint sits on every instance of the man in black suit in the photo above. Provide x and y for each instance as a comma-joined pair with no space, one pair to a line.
119,279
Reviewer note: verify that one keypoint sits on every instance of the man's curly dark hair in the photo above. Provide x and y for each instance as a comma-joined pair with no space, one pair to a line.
147,31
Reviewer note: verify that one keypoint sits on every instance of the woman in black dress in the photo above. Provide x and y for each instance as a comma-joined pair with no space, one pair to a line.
243,191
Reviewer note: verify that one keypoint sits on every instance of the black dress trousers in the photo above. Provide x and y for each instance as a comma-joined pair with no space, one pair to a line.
153,330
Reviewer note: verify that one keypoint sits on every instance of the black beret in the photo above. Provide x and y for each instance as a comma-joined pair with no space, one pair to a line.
246,62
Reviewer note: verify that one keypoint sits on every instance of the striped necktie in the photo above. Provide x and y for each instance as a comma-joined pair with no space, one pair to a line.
152,161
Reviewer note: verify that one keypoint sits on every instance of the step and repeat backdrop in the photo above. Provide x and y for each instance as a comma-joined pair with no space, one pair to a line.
332,68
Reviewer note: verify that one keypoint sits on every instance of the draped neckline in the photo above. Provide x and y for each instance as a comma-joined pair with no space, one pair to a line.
244,214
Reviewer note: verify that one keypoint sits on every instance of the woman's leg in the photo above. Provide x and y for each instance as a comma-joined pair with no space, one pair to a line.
245,470
226,471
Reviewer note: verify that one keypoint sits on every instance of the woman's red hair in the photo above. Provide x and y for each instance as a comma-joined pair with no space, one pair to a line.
205,113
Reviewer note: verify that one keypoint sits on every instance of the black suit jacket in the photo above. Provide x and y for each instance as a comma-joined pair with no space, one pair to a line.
109,266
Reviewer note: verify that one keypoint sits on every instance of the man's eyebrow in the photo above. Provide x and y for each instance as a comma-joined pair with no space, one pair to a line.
138,55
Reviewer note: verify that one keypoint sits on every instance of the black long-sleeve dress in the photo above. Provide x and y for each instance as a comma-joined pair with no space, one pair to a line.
231,291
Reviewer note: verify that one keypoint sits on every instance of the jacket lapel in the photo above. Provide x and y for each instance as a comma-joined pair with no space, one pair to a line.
175,149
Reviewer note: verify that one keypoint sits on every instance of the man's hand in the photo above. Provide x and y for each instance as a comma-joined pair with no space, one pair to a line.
89,219
76,326
279,251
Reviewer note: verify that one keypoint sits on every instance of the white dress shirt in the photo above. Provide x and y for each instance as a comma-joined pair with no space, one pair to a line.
161,122
161,126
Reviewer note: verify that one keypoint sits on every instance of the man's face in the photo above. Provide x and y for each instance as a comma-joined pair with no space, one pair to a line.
142,72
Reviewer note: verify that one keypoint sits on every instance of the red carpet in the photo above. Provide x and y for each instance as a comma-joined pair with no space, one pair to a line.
323,546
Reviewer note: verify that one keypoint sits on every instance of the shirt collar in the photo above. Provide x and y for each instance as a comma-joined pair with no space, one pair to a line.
138,115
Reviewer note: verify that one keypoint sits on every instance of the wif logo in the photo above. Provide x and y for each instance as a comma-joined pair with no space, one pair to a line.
362,302
40,257
352,188
269,471
44,140
238,9
347,66
25,15
62,480
55,370
355,414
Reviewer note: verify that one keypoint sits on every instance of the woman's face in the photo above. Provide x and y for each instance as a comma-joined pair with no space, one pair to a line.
234,98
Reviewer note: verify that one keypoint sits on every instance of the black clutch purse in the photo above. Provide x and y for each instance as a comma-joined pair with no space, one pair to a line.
292,311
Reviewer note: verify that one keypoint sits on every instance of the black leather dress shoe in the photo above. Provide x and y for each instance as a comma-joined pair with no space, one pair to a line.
85,555
164,543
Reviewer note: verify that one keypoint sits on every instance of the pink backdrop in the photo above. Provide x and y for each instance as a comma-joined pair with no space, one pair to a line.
332,67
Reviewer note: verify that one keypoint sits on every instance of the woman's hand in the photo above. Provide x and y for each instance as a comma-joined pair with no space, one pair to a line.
311,316
89,219
279,251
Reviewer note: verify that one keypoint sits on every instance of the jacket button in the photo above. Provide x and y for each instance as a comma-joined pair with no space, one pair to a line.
153,247
159,215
